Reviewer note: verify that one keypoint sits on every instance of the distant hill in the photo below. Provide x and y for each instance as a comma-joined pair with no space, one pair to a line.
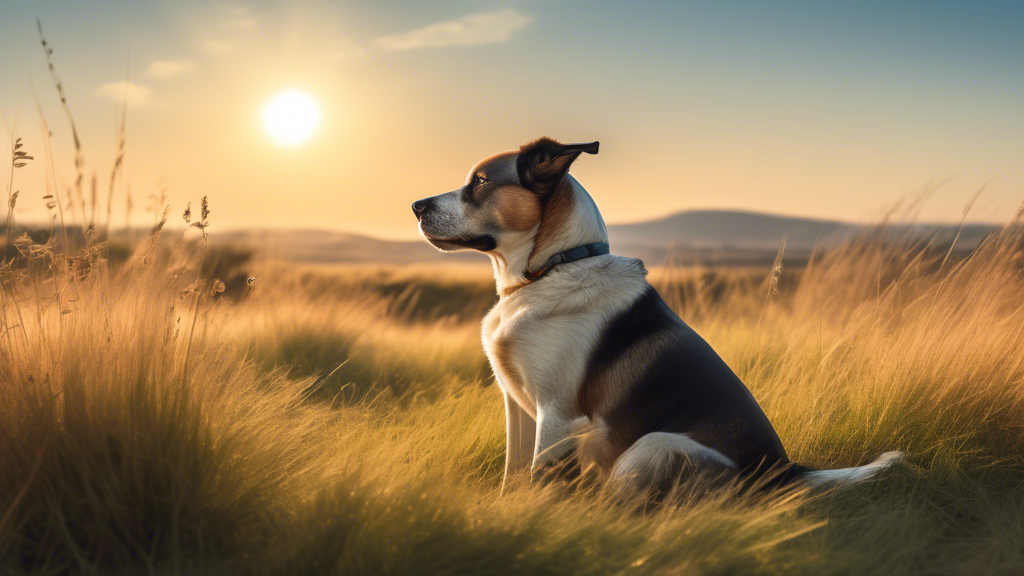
737,236
718,228
324,246
706,236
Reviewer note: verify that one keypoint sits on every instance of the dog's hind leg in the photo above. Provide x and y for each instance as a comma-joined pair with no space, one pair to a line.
657,461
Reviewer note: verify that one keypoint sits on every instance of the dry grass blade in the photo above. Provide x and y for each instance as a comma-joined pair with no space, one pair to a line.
773,279
960,228
59,85
51,182
115,171
202,225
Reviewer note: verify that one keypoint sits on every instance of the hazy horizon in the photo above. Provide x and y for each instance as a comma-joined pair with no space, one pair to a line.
828,112
174,223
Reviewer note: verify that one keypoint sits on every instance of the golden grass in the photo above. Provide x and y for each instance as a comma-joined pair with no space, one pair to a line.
324,425
343,420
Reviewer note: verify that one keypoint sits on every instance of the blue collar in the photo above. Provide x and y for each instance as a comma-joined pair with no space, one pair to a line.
570,255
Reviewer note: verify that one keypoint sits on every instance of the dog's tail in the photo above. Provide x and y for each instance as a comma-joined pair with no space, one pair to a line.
842,477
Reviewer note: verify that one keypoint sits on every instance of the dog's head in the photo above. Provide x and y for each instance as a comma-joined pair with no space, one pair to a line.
514,203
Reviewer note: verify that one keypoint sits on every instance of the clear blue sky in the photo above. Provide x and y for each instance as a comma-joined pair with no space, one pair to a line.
831,110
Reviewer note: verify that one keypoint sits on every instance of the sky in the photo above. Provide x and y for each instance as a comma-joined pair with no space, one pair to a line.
827,110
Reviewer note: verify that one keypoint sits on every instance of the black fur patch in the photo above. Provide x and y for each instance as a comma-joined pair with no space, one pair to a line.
543,163
688,389
483,243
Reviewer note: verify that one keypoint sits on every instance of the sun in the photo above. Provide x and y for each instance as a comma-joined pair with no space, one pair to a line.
291,118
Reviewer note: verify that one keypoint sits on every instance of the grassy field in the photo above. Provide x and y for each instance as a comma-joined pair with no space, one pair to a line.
344,420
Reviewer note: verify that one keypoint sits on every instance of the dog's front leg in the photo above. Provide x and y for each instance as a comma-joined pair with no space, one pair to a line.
555,445
519,439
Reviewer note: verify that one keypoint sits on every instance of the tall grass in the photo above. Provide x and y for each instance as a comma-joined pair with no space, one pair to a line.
332,431
156,420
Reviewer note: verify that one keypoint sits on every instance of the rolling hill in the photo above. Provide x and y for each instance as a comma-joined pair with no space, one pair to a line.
704,236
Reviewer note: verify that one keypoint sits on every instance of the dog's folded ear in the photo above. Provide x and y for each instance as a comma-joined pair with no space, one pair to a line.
543,164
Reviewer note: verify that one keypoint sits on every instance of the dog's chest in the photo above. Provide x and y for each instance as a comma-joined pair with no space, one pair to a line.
539,358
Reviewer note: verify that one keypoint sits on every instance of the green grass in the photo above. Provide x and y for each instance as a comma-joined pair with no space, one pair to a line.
321,428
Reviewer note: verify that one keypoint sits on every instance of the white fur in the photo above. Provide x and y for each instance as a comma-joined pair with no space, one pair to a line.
550,327
520,429
650,458
510,267
846,476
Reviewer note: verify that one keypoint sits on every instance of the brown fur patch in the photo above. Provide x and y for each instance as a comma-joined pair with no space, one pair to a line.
591,396
557,211
503,356
593,448
508,290
516,208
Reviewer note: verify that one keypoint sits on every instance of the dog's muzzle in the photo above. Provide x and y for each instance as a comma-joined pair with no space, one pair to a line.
421,207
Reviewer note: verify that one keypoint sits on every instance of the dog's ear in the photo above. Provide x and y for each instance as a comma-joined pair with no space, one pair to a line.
543,164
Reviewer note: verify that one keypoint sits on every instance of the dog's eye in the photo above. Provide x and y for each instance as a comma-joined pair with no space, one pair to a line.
479,180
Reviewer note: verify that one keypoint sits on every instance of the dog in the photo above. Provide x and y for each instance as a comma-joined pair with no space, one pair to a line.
594,367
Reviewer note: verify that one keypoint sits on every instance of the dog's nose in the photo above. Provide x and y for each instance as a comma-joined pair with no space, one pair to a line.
420,206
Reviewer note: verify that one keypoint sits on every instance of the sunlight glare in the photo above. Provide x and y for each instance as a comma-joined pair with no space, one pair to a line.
291,118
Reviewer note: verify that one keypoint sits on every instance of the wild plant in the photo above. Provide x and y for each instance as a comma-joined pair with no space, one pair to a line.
197,287
19,159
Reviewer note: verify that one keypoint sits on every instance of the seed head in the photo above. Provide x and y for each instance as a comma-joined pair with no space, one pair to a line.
20,158
203,213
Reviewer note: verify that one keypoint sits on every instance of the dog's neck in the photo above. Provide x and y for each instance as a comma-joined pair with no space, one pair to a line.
510,264
570,219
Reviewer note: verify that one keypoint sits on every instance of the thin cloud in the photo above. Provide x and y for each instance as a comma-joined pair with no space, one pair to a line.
165,69
246,22
217,46
241,18
138,96
343,50
481,28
